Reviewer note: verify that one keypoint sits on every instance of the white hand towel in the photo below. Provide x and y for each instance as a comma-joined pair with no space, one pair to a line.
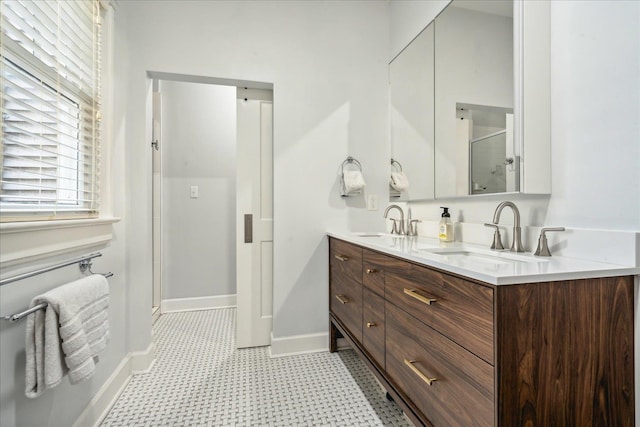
399,181
353,181
67,336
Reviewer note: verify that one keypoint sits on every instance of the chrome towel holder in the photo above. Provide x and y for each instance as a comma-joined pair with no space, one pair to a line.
84,263
349,161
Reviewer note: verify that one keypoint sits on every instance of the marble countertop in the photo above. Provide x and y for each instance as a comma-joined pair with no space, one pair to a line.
481,263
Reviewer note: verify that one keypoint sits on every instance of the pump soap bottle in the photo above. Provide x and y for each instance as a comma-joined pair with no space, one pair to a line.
445,230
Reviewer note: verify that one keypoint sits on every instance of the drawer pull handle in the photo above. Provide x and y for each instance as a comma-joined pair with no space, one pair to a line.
414,293
416,371
342,299
371,270
342,257
371,324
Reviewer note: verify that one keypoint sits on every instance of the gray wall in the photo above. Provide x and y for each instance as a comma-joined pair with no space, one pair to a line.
198,149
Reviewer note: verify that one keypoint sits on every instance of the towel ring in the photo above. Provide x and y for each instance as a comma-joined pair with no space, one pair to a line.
396,164
349,161
352,161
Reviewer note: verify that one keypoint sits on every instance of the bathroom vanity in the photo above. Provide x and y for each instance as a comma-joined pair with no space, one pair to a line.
460,340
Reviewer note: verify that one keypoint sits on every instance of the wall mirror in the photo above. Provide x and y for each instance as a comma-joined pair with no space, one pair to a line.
474,83
488,109
411,77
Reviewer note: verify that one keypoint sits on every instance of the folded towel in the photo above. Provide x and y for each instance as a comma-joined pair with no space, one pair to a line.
352,181
399,181
67,336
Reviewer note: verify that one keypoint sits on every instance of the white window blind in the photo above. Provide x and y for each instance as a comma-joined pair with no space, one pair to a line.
50,82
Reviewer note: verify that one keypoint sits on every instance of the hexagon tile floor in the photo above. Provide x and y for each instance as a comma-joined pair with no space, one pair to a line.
199,378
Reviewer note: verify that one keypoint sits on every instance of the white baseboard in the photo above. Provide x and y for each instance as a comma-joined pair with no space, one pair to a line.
198,303
299,344
99,406
142,361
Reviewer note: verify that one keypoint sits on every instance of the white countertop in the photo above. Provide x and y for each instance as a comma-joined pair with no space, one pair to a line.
481,263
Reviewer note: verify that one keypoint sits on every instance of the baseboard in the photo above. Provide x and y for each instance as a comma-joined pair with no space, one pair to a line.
299,344
142,361
198,303
101,403
136,362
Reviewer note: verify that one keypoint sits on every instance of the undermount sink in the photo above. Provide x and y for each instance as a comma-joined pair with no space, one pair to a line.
368,234
483,256
374,234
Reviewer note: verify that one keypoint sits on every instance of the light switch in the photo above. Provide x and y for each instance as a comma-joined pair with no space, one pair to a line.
194,191
372,202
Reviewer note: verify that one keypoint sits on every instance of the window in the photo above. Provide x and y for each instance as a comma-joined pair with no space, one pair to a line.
50,81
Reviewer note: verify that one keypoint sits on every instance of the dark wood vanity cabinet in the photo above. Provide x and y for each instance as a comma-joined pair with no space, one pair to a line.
459,352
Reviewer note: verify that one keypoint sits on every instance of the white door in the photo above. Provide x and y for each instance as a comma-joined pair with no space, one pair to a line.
254,217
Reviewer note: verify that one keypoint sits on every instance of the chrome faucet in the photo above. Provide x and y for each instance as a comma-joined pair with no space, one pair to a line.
396,229
516,246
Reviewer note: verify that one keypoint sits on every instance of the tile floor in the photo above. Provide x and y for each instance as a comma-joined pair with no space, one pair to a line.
199,378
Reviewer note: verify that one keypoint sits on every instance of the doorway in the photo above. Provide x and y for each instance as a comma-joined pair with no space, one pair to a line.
201,189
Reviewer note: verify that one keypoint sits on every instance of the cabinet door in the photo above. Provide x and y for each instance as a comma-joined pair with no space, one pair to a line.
373,325
460,392
345,290
565,353
373,270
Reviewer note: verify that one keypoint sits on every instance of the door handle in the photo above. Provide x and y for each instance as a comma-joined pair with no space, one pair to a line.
248,228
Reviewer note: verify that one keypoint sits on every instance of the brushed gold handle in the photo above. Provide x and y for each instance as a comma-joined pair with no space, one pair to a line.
416,371
414,294
342,299
371,270
371,324
342,257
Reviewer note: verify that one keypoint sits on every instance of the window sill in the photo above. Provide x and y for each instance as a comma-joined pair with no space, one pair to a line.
28,241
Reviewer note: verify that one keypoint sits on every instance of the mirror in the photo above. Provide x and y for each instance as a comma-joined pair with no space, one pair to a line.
474,93
485,137
412,90
488,108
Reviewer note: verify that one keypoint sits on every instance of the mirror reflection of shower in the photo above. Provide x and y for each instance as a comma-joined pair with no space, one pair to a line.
493,166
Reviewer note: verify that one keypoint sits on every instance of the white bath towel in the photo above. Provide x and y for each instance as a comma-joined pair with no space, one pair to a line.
352,181
399,181
67,336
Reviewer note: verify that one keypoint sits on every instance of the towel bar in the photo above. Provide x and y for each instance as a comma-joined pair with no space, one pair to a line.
85,266
83,261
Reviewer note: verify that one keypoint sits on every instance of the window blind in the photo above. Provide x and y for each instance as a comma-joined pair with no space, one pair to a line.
50,81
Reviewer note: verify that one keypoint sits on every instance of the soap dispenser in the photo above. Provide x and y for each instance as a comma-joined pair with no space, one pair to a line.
445,229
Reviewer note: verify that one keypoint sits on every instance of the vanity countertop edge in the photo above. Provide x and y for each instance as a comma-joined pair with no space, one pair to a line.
533,269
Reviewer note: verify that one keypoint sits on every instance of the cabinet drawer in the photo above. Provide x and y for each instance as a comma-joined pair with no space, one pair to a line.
345,260
460,310
373,325
346,304
373,269
461,391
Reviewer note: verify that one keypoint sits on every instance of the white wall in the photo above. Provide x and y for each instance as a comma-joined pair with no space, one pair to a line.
198,149
328,64
407,18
